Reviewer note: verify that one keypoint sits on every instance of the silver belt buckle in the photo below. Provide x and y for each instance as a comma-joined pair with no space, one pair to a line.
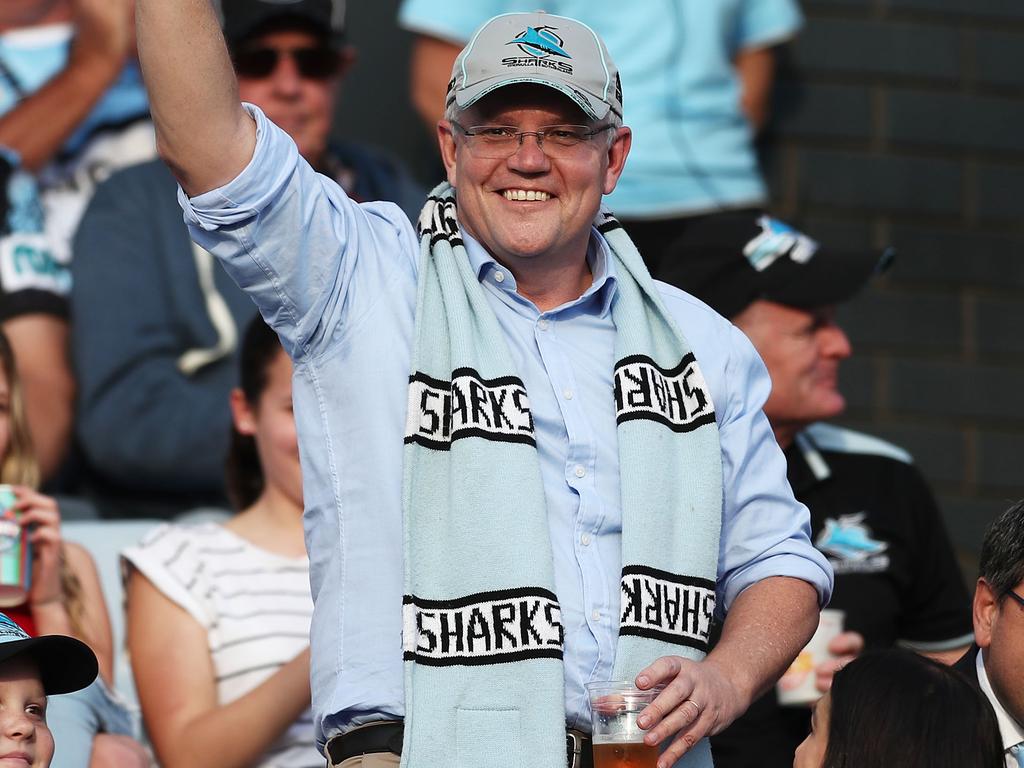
574,747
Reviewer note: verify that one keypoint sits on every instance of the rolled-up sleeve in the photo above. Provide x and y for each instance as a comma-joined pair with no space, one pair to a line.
312,259
765,530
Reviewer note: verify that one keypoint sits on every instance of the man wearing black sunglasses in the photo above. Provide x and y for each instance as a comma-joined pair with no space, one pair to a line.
180,355
996,662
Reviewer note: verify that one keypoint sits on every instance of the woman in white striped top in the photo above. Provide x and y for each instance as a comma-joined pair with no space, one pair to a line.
218,614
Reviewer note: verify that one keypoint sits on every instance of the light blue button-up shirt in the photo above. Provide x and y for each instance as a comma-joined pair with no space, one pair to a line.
337,280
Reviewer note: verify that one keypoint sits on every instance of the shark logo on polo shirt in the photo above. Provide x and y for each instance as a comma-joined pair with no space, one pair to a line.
539,44
849,545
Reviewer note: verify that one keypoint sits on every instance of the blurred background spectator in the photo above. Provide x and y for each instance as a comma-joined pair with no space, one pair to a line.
92,726
218,614
156,320
872,514
996,661
894,707
34,289
72,108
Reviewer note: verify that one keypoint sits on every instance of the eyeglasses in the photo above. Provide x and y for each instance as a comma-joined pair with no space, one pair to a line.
1016,597
313,62
496,142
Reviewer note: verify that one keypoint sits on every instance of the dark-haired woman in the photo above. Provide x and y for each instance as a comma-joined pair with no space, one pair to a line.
218,614
896,708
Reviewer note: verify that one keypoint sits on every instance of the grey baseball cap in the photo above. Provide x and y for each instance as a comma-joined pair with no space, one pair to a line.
541,48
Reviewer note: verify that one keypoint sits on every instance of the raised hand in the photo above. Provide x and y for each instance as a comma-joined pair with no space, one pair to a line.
40,515
844,647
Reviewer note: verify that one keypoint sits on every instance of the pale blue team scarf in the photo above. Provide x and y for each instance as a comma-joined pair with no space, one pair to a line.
481,631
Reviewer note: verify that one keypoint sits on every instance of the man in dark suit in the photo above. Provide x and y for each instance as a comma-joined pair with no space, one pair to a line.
996,661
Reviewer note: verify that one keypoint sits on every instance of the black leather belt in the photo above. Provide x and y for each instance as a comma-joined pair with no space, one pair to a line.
387,737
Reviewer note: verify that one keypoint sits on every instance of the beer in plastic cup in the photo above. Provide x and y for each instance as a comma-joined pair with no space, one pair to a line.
15,553
618,740
797,687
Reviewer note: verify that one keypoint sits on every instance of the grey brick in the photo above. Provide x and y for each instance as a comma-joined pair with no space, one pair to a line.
879,182
948,391
879,48
822,111
1000,328
959,259
895,321
858,381
939,452
1001,462
955,120
999,58
1007,9
838,233
999,192
967,519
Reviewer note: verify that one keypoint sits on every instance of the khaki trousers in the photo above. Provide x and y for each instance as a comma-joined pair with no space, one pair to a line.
379,760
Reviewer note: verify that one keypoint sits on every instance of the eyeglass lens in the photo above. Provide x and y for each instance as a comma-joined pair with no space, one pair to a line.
313,63
497,142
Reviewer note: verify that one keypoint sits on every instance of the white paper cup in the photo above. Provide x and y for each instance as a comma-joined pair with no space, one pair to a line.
797,686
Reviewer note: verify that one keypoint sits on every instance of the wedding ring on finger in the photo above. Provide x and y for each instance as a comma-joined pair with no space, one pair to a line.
697,708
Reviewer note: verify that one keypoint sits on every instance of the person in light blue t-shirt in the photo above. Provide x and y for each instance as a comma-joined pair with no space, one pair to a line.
697,78
72,110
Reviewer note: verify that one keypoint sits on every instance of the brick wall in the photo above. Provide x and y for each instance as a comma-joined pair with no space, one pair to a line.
902,122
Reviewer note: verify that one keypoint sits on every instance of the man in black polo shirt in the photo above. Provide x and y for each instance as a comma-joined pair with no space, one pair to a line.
872,514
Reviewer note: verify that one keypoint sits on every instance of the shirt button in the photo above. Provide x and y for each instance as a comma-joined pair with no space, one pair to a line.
596,615
499,277
542,324
580,471
585,539
567,394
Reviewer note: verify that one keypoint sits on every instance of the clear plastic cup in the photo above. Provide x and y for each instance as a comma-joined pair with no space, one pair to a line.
618,740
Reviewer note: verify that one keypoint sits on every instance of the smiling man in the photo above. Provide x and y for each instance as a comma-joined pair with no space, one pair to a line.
872,514
527,466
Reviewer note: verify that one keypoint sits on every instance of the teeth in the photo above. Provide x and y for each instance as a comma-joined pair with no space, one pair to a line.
526,194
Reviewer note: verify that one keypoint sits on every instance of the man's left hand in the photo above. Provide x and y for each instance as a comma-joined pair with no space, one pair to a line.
699,700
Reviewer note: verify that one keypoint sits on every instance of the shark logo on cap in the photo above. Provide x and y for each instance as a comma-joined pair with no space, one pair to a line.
540,42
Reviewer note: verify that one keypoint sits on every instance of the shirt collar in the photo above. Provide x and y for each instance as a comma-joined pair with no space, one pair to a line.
805,466
1011,731
602,266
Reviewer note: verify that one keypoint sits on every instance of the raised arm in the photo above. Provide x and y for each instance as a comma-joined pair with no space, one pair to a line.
203,133
755,68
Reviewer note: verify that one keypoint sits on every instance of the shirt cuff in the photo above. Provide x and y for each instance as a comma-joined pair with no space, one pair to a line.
812,568
273,161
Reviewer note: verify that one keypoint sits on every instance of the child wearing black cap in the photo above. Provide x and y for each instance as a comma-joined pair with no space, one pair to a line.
32,668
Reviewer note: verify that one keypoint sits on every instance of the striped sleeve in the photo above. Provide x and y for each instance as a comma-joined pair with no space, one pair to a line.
167,557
